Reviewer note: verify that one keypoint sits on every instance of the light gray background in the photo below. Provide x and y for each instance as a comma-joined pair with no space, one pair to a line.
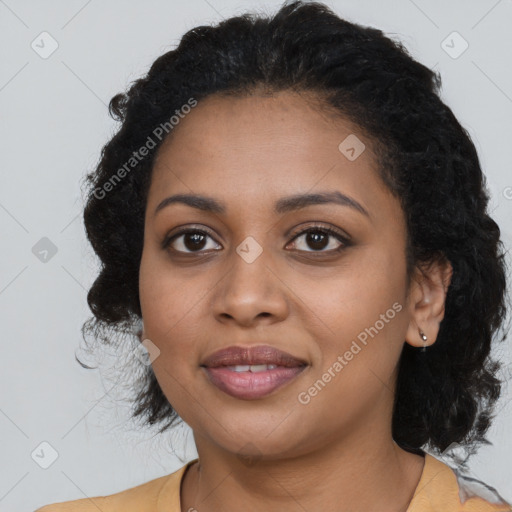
54,122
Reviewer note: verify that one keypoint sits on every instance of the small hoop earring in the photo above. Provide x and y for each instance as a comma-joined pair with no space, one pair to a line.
424,338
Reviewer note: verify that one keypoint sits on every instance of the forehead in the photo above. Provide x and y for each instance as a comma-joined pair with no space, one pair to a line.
258,127
265,147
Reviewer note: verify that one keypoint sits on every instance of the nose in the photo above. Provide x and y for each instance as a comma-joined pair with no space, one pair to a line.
251,291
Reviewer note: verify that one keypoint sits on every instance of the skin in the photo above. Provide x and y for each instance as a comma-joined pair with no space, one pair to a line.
335,453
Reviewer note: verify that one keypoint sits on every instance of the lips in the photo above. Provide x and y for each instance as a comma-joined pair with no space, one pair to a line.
262,354
250,373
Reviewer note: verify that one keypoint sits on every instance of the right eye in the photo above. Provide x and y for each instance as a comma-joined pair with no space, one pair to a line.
187,241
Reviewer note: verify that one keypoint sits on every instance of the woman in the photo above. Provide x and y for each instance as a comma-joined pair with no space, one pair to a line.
301,225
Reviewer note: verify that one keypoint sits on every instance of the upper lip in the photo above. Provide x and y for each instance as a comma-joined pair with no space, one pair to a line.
261,354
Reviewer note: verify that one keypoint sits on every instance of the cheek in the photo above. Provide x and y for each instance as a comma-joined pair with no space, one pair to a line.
169,307
359,314
355,294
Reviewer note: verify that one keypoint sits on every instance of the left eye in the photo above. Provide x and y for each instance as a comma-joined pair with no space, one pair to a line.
317,238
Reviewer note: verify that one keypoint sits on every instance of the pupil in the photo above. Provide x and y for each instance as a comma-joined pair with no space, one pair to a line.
197,238
314,238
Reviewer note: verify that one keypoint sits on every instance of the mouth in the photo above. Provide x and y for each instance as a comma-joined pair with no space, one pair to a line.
250,373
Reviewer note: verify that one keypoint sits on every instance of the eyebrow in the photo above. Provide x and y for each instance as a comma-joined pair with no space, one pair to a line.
283,205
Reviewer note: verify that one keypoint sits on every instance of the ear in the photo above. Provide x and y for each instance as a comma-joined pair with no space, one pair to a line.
426,300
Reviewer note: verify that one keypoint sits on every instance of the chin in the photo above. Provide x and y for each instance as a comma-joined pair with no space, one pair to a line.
258,436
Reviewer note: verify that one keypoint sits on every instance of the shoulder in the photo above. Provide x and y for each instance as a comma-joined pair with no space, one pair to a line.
442,487
142,498
478,494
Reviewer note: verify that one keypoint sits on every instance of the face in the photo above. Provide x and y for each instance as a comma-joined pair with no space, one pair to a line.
250,274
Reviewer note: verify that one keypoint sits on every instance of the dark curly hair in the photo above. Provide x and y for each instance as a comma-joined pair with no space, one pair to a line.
426,158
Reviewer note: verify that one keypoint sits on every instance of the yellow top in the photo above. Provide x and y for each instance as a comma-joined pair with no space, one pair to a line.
440,488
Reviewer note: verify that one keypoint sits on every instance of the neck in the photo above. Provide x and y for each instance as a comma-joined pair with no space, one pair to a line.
362,472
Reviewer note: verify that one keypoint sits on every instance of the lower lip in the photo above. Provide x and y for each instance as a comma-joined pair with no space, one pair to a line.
249,385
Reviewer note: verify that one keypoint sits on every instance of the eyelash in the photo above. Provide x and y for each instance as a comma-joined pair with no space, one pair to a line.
315,228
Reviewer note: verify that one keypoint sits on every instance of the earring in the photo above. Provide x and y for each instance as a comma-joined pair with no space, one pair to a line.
424,338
